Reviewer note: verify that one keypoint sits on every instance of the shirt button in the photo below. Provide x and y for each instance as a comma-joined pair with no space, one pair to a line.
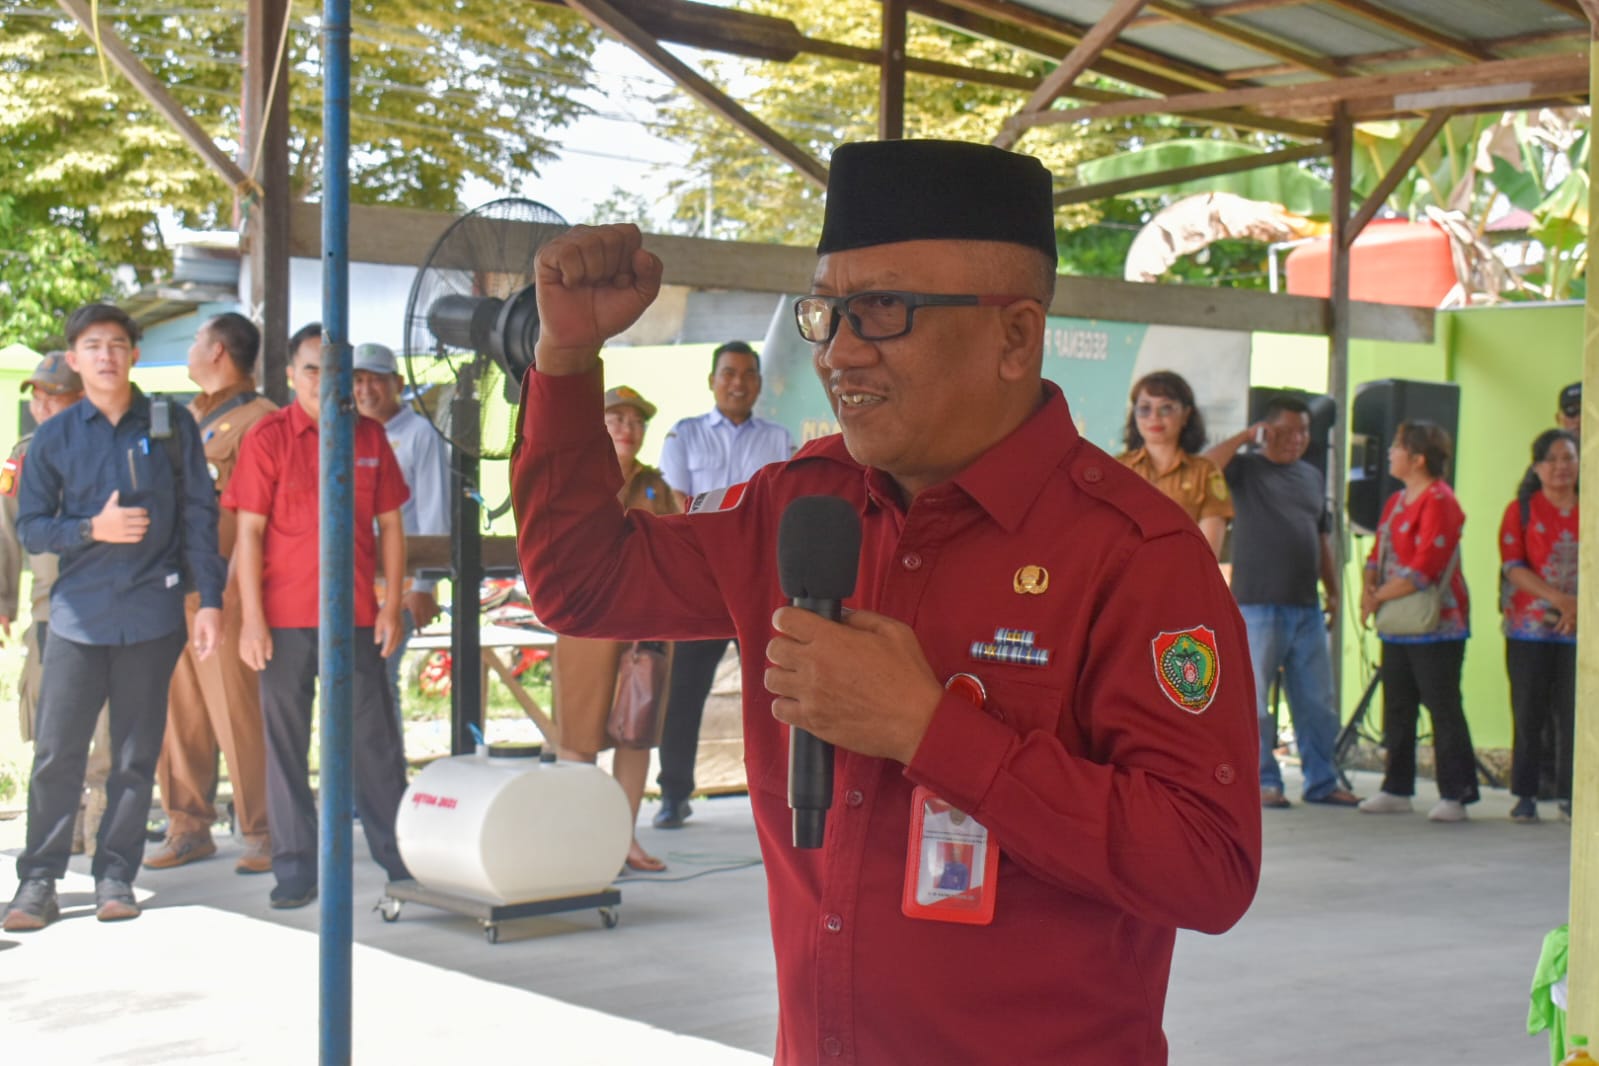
1093,475
1224,773
833,923
854,797
833,1046
911,561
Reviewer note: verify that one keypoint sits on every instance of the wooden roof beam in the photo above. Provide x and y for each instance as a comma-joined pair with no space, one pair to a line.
1396,173
1367,60
1504,81
1126,62
1200,19
151,88
1077,61
608,18
1089,193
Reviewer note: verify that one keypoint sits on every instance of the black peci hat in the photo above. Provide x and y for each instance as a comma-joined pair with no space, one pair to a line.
883,192
1571,400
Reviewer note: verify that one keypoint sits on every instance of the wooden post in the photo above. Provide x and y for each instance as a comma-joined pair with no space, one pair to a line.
891,85
265,153
1338,321
1583,959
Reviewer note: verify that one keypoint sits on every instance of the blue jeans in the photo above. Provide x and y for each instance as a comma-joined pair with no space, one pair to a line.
1295,640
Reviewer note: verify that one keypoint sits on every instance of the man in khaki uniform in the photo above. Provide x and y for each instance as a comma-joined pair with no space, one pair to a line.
216,703
53,387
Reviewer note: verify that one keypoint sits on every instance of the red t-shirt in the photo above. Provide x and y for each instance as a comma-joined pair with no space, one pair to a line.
1548,547
1418,540
1120,813
277,477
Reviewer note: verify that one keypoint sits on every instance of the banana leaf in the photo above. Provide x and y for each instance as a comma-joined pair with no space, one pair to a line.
1289,184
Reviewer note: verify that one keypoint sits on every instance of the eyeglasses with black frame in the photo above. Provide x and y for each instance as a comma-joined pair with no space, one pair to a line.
879,314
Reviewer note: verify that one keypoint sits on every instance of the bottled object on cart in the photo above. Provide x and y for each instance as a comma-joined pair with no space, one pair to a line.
507,827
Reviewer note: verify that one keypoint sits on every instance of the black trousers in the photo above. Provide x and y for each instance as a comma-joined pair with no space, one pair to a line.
1416,674
1543,691
693,670
78,680
378,763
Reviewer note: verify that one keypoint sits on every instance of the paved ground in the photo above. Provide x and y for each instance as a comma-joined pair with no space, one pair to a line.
1381,941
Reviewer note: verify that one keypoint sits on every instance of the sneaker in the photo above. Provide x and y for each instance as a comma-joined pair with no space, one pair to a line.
190,847
33,907
1525,811
1447,811
287,897
113,900
257,857
1385,803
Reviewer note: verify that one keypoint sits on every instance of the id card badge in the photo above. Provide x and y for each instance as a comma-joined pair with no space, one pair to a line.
951,865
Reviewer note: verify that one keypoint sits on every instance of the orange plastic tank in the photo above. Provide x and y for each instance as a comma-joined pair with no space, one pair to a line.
1393,261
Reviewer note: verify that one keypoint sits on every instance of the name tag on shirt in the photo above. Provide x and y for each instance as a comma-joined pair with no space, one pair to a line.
951,866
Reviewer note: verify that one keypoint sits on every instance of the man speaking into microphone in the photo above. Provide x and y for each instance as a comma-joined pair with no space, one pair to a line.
1040,700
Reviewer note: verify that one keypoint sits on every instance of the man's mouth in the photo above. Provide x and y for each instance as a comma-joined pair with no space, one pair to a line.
858,399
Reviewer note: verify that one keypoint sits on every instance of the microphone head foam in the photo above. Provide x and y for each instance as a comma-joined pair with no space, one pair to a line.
818,548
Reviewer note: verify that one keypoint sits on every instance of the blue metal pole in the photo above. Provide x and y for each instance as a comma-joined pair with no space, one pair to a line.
337,458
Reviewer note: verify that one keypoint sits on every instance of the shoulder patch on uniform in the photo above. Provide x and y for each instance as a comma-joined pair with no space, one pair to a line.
1187,667
11,476
1218,486
718,499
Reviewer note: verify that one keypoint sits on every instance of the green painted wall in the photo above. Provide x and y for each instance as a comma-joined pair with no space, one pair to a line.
1510,363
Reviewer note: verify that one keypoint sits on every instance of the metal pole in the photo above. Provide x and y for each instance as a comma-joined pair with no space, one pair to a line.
1343,133
337,458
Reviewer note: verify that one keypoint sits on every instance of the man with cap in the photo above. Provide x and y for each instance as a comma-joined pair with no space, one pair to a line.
723,447
117,487
215,705
53,387
1036,638
424,463
1568,415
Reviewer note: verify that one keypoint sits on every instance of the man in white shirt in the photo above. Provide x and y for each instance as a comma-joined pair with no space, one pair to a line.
723,447
424,460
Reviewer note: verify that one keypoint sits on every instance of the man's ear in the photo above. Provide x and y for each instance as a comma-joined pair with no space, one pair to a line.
1022,334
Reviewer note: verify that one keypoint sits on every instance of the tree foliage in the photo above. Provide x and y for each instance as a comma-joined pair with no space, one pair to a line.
820,102
442,92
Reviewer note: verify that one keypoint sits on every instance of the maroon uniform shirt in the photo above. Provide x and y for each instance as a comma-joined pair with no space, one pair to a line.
1118,781
276,476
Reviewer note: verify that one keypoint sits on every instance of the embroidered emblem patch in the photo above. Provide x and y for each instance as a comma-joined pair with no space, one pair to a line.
10,476
1187,667
718,499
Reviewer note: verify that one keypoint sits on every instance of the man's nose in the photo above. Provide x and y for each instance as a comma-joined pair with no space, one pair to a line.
846,349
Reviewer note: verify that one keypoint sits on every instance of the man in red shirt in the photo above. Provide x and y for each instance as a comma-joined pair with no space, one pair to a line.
274,489
1038,638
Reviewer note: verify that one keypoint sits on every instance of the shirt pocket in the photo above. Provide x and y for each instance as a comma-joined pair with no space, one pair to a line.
1026,702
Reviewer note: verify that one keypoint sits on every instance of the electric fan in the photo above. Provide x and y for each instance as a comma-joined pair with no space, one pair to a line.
471,322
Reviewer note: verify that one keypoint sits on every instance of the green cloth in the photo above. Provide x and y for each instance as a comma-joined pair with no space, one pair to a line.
1544,1012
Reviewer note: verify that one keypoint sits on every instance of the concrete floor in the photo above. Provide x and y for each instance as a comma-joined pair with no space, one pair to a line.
1378,940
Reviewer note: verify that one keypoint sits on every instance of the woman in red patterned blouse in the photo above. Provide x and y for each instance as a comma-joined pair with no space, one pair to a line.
1538,546
1418,546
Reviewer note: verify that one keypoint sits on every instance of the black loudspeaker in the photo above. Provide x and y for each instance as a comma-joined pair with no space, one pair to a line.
1323,412
1379,408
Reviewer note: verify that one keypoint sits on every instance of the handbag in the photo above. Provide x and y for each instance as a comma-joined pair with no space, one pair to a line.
1417,614
640,702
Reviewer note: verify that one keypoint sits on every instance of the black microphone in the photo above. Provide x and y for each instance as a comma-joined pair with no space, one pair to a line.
818,550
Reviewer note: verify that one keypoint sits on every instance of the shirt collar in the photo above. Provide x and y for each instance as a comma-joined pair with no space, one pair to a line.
140,406
299,421
717,418
204,404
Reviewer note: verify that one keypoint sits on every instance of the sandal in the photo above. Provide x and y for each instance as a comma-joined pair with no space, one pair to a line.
641,861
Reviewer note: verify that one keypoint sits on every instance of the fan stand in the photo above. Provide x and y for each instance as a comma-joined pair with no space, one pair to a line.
466,564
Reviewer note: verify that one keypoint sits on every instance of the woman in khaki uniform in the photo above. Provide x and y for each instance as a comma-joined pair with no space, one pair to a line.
1164,436
585,670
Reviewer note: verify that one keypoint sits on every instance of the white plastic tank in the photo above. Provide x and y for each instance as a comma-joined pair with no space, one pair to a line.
513,829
